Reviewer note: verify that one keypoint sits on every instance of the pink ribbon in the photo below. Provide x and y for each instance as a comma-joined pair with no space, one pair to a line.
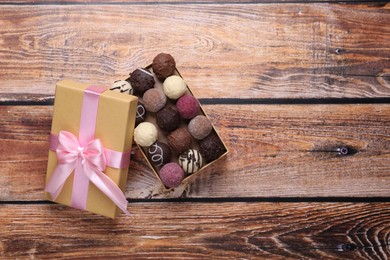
87,157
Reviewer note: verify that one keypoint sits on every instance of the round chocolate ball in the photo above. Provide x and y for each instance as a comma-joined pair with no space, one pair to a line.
140,115
188,107
145,134
180,140
159,154
191,161
171,175
154,100
122,86
168,119
141,80
174,87
163,66
211,147
200,127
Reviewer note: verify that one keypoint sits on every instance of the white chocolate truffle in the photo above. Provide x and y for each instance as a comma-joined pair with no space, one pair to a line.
122,86
145,134
174,87
191,161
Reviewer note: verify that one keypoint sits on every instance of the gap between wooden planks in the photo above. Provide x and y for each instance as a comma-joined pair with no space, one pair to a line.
236,50
276,151
199,230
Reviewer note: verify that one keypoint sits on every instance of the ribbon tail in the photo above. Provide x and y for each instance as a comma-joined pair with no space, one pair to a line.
109,188
58,178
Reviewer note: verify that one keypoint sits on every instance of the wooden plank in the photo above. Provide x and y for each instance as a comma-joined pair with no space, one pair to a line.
199,230
257,50
276,151
162,2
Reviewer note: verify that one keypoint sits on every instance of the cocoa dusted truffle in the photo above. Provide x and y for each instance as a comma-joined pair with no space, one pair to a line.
191,161
168,119
200,127
159,154
154,100
141,80
180,140
211,147
163,66
171,175
141,114
188,107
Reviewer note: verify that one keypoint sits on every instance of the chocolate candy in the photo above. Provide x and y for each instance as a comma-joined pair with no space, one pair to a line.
188,107
159,153
174,87
168,119
191,161
163,66
200,127
122,86
141,114
141,80
180,140
211,147
171,175
154,100
145,134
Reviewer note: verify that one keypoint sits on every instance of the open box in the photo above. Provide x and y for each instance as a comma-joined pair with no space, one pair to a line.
162,135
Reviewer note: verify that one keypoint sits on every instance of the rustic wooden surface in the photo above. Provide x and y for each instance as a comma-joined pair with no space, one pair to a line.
286,83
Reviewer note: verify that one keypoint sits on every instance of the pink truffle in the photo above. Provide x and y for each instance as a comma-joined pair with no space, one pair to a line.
188,107
171,175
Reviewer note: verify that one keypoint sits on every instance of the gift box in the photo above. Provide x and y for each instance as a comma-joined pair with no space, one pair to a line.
90,143
162,135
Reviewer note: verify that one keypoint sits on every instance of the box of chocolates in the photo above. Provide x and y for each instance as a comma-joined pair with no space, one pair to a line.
172,130
90,144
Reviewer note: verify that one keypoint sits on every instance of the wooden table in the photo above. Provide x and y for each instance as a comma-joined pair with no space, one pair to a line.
288,84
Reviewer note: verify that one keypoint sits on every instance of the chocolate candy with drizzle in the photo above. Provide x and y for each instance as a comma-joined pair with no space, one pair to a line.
122,86
191,161
141,114
159,154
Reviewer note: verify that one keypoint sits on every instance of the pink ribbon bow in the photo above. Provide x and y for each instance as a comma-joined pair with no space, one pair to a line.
88,160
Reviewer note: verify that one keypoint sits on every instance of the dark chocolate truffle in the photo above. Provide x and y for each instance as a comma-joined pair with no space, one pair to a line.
171,175
168,119
141,80
211,147
163,66
191,161
159,154
180,140
141,114
188,107
200,127
154,99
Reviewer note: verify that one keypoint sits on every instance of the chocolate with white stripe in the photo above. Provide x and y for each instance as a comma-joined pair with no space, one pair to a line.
191,161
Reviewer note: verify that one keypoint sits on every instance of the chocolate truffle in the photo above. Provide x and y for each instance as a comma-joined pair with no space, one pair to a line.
171,175
191,161
174,87
159,154
141,80
122,86
145,134
188,107
154,100
168,119
141,114
211,147
200,127
180,140
163,66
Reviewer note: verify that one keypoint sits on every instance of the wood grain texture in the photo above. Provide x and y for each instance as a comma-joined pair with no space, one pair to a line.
260,51
199,230
275,151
